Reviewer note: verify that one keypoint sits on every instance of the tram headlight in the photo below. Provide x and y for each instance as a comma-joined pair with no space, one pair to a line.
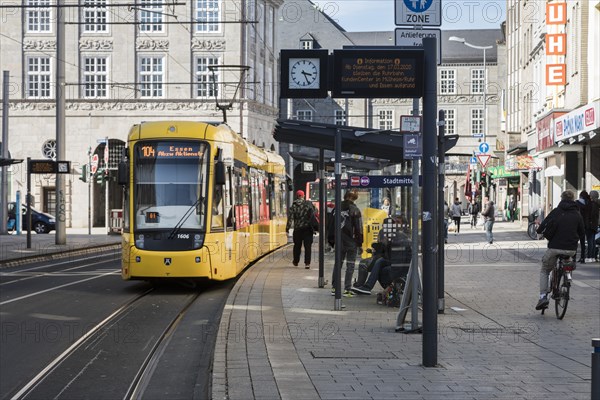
197,241
139,242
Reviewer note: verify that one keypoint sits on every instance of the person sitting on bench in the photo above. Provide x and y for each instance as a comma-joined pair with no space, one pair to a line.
391,260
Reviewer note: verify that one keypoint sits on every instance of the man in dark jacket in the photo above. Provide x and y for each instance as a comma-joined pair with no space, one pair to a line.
563,241
299,217
489,215
352,238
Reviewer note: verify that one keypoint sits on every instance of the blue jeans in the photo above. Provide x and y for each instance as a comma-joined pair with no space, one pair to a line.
488,230
349,254
380,272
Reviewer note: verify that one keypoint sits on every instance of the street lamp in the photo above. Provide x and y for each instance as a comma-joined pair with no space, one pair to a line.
484,48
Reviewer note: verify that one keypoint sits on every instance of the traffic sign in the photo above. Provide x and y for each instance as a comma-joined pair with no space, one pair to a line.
106,155
484,147
483,159
418,12
473,160
94,164
408,37
413,147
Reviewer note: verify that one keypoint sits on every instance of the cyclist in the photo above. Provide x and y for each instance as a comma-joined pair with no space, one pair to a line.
567,226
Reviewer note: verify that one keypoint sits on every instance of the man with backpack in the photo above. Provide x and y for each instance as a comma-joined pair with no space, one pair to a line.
300,217
562,228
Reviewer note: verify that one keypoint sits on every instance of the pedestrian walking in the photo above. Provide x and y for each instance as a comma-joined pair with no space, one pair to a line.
565,224
584,206
590,223
300,217
489,213
456,213
473,211
512,208
351,239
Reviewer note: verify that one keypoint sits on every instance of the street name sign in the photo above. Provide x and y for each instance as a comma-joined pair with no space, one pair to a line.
418,12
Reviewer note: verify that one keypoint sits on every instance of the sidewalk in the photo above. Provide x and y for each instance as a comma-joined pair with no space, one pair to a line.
280,337
14,251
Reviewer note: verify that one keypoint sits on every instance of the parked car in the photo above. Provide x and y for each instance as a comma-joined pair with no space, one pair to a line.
40,222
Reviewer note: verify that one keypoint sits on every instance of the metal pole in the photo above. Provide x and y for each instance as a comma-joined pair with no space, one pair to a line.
596,369
441,217
28,202
323,217
484,98
337,269
106,181
89,183
4,176
61,212
414,310
429,249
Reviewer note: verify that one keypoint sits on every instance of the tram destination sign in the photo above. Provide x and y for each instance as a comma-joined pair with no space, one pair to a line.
378,73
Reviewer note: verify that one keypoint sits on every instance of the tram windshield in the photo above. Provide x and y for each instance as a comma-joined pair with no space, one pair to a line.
170,185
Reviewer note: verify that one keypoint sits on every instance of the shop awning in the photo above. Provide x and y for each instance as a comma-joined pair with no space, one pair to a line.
553,171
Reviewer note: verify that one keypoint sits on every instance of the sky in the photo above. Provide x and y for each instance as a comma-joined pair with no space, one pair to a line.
378,15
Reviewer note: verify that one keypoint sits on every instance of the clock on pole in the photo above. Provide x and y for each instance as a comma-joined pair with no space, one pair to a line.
304,73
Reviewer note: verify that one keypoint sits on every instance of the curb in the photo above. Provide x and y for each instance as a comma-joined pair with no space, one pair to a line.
57,255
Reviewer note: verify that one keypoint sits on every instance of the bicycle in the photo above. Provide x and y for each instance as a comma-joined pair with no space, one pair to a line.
559,284
534,224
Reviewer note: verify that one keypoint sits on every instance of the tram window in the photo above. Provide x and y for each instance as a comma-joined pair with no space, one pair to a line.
217,208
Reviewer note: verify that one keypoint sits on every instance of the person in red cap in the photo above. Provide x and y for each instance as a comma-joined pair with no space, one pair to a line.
301,217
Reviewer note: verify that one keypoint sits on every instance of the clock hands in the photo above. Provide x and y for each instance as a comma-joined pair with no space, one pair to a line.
306,75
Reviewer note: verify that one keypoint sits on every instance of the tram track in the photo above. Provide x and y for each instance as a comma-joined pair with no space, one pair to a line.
149,322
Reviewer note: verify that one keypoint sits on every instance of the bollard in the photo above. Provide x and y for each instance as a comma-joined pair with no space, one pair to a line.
596,369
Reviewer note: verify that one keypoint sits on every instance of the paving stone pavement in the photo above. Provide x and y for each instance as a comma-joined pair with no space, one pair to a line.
280,337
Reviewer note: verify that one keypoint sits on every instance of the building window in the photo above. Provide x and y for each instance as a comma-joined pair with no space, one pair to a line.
95,16
95,76
477,81
151,15
477,122
450,118
306,44
151,77
339,118
38,78
304,115
206,80
447,81
207,15
49,149
38,16
386,119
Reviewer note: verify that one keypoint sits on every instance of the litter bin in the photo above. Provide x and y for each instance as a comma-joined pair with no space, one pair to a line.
116,221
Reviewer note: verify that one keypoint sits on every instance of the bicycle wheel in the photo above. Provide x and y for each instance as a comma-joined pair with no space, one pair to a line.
532,231
561,301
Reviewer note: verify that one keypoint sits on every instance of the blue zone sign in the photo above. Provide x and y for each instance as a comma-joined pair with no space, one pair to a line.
418,12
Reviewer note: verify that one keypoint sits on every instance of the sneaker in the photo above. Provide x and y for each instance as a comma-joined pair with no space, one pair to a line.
307,266
581,261
348,293
295,264
543,303
361,290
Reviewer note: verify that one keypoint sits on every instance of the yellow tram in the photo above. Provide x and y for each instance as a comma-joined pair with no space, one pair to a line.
199,201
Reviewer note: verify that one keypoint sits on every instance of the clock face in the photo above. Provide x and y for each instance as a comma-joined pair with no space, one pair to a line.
304,73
